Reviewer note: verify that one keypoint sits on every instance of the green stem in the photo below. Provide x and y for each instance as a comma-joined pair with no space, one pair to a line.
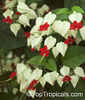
6,80
42,59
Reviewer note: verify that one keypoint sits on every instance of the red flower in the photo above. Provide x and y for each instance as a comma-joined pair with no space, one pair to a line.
32,49
44,27
66,79
27,34
44,51
13,74
13,65
75,25
32,85
18,13
7,20
83,78
69,40
3,5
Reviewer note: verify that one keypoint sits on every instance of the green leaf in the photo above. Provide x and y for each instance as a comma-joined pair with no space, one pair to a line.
62,11
63,17
36,59
48,63
7,38
51,64
77,9
74,57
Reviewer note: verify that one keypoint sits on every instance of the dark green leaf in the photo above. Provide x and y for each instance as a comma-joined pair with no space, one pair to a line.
74,57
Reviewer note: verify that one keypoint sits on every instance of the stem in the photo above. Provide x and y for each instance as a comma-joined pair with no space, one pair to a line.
22,96
42,59
6,80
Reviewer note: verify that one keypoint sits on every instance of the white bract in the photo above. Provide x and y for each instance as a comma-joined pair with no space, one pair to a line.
50,42
82,32
34,5
24,20
49,18
79,71
15,27
34,41
9,13
49,77
26,13
75,17
44,9
65,71
61,47
61,27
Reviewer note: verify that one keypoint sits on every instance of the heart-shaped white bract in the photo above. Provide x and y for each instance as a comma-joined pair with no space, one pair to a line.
55,51
75,17
61,27
79,71
50,42
74,80
34,41
15,27
24,20
22,7
41,11
49,77
49,18
82,32
65,70
23,86
32,93
59,80
61,47
9,13
34,5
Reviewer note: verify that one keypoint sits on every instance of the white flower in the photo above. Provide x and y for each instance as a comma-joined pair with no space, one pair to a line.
22,7
71,33
34,41
65,71
74,80
82,32
15,90
50,42
37,73
31,14
79,71
55,51
24,20
75,17
49,77
34,5
61,27
61,47
20,69
9,13
15,28
10,4
32,93
43,26
23,86
43,9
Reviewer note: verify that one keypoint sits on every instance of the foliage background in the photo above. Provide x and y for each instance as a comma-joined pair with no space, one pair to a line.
18,45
